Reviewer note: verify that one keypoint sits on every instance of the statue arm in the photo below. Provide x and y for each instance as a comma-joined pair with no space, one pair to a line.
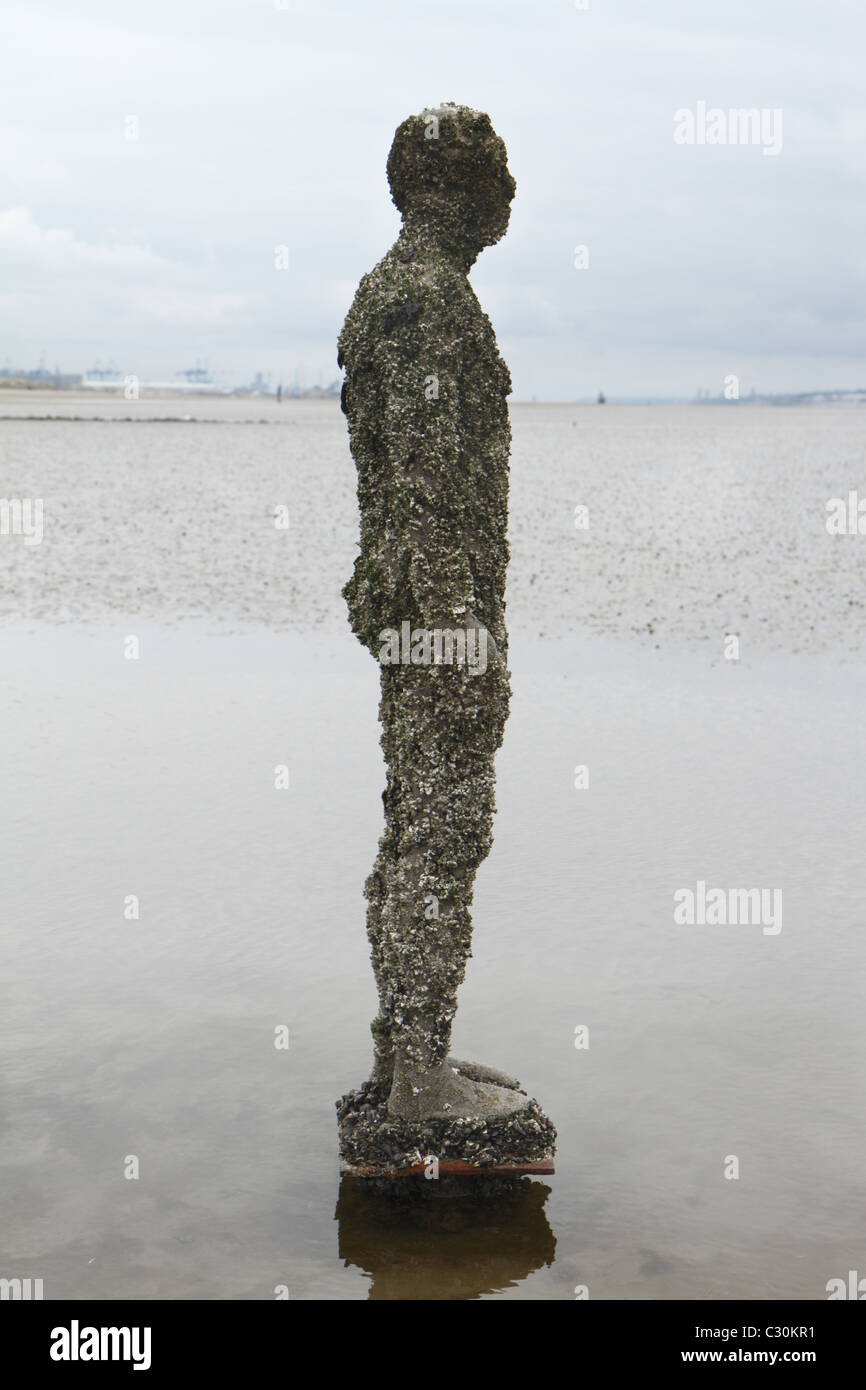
427,435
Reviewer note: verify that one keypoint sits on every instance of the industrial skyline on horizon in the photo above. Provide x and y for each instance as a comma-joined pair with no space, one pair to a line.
301,382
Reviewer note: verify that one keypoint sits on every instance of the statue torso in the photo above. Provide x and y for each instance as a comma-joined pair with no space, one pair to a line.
425,398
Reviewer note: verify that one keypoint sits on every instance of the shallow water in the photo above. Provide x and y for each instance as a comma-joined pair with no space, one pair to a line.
154,777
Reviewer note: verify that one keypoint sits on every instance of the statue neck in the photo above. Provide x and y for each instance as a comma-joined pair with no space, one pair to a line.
438,237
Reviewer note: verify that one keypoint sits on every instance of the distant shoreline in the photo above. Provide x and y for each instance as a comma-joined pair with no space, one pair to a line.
43,392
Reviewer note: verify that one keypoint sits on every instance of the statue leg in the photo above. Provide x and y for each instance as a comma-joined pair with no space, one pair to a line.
441,731
376,893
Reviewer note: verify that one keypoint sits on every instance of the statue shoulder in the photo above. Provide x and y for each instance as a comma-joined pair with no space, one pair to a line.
406,306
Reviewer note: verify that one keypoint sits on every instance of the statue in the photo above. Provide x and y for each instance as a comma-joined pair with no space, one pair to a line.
425,398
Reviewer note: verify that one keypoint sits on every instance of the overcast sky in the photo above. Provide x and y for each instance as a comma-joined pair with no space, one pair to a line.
264,124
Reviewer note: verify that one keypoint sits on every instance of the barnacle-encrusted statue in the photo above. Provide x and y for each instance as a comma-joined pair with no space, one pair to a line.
425,397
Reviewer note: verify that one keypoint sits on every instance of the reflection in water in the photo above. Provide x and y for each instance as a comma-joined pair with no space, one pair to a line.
444,1239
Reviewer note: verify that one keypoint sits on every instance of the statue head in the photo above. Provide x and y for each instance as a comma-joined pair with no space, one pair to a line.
448,170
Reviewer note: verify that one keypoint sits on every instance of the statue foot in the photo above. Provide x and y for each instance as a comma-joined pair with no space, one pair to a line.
448,1093
476,1071
383,1073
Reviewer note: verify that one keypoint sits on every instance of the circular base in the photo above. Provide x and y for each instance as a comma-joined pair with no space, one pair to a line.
374,1143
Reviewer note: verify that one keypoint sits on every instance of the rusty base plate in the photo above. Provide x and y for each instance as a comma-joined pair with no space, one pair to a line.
454,1167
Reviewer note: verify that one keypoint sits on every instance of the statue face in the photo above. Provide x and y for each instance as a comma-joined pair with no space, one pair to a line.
493,201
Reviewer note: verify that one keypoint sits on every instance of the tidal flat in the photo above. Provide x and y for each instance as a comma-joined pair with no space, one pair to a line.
660,1048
